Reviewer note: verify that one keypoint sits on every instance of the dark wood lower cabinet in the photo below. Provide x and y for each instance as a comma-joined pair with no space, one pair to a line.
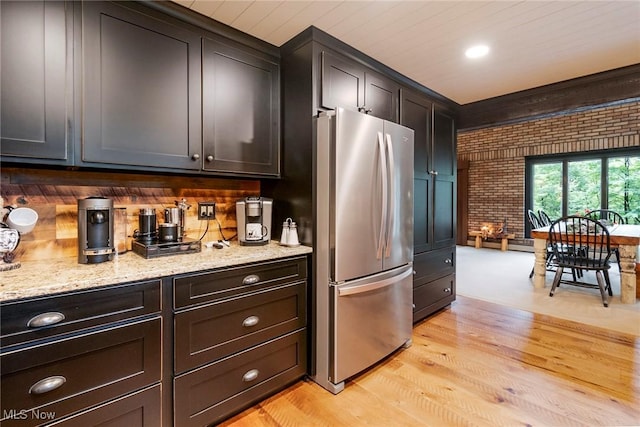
69,375
140,355
216,391
242,338
139,409
238,324
433,282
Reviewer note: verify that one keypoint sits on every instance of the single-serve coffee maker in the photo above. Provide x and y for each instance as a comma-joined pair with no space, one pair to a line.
253,215
95,230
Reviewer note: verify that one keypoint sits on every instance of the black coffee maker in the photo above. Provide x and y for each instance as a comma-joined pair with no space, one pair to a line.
95,230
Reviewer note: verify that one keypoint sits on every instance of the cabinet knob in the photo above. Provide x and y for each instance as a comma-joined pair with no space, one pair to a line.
433,173
250,375
45,319
365,110
250,321
209,158
448,261
447,290
48,384
195,156
251,279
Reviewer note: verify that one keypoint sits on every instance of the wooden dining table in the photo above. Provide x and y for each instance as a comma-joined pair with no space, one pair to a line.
625,236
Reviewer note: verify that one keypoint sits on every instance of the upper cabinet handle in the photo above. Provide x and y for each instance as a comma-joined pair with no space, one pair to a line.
433,172
251,279
45,319
48,384
209,158
195,156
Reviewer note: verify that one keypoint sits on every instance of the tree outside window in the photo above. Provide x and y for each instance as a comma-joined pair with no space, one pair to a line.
573,185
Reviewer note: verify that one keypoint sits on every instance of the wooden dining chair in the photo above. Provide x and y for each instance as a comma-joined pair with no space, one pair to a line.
590,241
544,218
534,222
611,217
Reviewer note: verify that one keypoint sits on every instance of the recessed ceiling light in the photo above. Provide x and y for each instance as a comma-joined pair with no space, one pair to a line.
477,51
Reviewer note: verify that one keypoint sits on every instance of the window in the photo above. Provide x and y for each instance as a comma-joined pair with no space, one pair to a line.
573,184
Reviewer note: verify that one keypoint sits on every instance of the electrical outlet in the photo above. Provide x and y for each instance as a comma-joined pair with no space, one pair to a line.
206,210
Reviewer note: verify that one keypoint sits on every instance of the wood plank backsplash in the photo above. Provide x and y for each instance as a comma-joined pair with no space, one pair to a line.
54,195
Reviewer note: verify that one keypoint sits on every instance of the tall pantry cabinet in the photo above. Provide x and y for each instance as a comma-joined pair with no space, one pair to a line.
434,202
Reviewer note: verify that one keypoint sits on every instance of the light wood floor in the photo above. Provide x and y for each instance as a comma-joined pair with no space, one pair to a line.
479,364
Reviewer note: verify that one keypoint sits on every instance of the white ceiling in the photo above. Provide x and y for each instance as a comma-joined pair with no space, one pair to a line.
533,43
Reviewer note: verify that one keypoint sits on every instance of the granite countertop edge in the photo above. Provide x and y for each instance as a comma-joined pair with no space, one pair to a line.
47,277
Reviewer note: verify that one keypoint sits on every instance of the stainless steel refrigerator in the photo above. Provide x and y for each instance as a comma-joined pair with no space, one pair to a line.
363,243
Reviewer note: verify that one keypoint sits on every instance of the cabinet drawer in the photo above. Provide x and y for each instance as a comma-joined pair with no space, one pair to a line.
216,391
221,284
64,313
432,296
433,264
90,368
217,330
140,409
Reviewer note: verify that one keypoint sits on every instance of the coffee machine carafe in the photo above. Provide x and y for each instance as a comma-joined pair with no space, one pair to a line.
254,220
95,230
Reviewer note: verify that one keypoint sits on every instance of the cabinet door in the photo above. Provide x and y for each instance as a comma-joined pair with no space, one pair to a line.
141,89
342,83
35,56
416,114
241,111
444,190
381,97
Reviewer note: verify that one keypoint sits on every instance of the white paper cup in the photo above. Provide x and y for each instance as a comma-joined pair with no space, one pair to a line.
22,219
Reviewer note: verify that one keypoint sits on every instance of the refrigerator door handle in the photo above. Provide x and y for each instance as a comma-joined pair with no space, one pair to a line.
359,289
385,201
392,195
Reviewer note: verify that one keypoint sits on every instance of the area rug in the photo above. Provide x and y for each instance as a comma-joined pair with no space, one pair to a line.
503,278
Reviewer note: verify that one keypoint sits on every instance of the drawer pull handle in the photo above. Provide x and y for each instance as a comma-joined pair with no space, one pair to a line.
250,375
448,261
446,290
48,384
251,279
45,319
250,321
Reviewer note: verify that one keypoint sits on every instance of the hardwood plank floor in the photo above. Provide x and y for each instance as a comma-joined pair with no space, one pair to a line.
479,364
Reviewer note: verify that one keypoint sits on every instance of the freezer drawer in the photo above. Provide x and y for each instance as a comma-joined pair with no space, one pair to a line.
372,318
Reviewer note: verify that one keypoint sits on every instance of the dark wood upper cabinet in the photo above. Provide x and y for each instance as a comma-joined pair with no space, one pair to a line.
241,111
352,86
381,97
141,89
36,83
342,83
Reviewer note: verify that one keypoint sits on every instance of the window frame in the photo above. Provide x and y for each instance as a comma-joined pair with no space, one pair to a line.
565,159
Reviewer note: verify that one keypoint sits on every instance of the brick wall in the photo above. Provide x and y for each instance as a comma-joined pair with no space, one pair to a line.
497,154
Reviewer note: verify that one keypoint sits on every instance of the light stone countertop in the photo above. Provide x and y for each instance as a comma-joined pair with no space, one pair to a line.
39,278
